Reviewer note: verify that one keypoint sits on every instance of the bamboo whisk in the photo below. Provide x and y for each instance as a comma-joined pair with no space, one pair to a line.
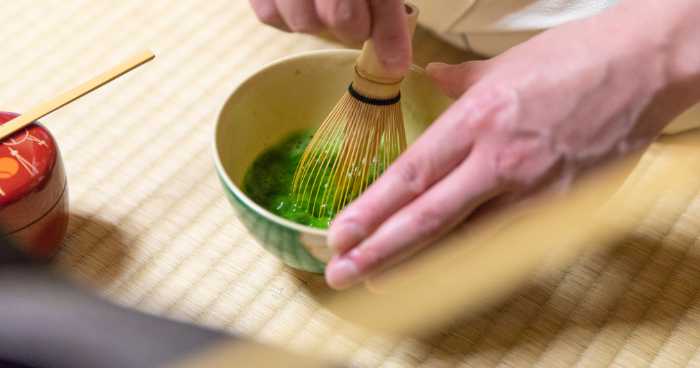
362,136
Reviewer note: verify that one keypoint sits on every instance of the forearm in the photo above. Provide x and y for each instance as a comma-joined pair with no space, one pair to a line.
667,34
678,22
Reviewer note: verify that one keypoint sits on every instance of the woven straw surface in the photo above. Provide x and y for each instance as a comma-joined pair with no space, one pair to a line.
151,229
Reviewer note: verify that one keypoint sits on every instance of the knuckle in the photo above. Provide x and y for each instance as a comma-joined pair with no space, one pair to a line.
427,221
342,15
523,162
493,107
500,97
338,14
508,165
267,13
412,176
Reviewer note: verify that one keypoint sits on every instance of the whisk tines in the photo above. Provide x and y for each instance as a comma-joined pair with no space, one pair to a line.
351,148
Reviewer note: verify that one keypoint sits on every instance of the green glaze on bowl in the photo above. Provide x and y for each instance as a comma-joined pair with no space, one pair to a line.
291,95
285,243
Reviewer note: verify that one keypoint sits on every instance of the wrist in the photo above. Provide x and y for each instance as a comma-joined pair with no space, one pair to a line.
670,33
655,46
682,34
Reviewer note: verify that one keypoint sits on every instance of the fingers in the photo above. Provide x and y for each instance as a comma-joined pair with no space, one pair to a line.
439,150
352,21
390,34
454,80
349,20
300,15
266,11
416,225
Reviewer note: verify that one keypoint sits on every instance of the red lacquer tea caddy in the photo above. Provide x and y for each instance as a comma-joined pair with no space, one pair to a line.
33,189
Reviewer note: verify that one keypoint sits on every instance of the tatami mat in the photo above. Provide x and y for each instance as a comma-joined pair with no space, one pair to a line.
151,228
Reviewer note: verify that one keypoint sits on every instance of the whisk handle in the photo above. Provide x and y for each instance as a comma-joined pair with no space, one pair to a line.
368,64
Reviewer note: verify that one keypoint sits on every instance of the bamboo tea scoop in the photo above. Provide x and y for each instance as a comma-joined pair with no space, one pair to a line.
67,97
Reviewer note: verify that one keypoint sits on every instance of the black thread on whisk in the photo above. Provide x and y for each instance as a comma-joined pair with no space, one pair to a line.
373,101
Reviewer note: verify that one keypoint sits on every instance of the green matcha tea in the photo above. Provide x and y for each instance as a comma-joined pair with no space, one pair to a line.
268,182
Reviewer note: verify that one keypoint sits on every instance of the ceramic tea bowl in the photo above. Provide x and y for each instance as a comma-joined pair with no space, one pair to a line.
287,96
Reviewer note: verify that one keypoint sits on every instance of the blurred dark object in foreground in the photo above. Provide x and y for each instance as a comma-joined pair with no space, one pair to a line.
48,322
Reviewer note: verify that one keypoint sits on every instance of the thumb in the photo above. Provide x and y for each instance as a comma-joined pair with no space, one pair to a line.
455,79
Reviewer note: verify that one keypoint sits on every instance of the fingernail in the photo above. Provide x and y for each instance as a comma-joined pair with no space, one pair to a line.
342,274
344,236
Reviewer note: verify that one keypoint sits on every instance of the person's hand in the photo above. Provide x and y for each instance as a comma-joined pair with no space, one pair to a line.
351,21
532,118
